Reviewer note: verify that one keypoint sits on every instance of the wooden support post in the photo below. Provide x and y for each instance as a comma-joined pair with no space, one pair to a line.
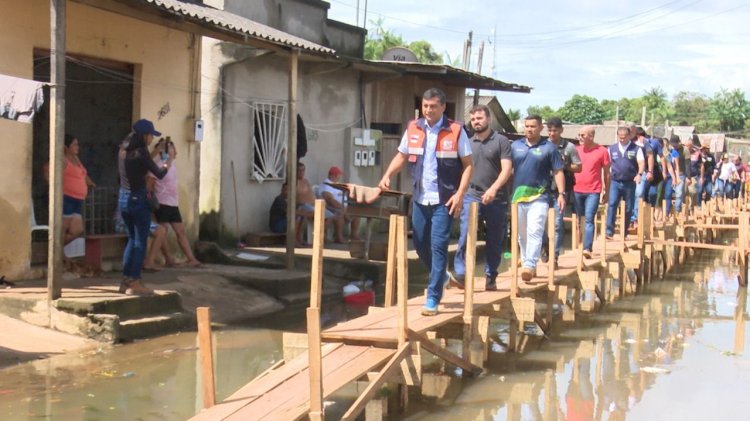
391,368
443,353
641,223
514,250
623,225
58,12
314,351
471,257
402,279
739,320
390,265
551,232
742,249
575,230
291,153
603,235
205,346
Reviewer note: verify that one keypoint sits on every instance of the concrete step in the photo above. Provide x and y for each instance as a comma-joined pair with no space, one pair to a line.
145,327
124,306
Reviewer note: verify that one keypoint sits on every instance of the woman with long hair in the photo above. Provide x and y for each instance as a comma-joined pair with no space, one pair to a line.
76,183
134,205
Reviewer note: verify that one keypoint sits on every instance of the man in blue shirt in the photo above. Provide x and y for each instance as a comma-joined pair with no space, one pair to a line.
626,169
535,162
437,153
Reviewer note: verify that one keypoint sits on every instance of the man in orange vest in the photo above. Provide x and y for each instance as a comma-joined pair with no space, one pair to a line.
437,153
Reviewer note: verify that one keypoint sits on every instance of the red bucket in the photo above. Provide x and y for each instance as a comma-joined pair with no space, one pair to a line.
361,298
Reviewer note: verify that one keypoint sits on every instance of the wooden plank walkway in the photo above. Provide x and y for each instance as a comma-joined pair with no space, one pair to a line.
381,340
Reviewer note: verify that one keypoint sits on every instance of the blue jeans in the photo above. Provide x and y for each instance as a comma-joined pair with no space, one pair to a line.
722,188
136,213
431,226
495,217
619,190
559,226
586,206
736,189
705,187
641,192
532,218
679,194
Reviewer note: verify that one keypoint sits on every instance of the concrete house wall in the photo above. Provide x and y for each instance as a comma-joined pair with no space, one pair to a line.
162,57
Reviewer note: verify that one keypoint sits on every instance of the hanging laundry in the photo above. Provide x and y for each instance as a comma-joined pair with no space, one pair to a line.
20,98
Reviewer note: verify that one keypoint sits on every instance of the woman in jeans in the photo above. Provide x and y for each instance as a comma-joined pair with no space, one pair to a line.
134,206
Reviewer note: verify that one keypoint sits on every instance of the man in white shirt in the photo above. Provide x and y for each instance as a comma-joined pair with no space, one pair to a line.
437,153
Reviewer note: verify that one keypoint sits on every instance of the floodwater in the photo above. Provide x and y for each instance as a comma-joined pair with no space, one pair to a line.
675,351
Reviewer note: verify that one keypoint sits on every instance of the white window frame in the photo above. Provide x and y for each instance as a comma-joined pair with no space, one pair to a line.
271,147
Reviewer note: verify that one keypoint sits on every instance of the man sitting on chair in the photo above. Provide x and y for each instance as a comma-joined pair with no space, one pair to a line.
336,203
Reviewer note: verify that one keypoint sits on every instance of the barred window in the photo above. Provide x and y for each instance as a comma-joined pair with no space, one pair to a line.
269,141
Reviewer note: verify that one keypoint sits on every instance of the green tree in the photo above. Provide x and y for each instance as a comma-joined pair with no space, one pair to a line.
731,109
380,39
694,109
514,115
582,109
424,52
655,101
545,111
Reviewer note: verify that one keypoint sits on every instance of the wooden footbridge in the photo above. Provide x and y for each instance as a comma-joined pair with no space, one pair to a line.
384,347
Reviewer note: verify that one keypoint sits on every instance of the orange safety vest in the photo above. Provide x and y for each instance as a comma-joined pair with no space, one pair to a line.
449,167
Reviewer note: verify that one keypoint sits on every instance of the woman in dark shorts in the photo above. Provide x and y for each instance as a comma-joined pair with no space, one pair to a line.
76,183
168,214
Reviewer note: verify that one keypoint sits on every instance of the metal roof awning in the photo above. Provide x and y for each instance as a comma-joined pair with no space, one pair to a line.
208,21
452,76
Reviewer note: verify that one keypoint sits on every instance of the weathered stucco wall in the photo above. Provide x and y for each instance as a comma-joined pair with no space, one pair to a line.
328,101
163,64
303,18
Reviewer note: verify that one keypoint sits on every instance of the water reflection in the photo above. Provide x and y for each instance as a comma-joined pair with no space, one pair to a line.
678,341
606,365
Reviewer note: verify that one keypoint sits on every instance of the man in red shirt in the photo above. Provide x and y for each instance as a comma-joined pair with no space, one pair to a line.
591,183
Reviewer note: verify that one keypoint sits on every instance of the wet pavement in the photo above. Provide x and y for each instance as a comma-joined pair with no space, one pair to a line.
675,351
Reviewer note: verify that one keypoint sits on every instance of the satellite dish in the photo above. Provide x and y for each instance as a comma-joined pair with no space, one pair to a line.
399,54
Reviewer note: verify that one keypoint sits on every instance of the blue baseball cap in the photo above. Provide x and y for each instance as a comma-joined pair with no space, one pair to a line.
145,127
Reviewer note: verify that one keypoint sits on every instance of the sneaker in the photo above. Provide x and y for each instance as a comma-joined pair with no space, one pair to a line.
135,287
544,255
123,285
609,237
490,284
587,254
430,307
527,273
453,281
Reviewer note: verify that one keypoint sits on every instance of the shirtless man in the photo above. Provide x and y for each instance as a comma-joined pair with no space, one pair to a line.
306,204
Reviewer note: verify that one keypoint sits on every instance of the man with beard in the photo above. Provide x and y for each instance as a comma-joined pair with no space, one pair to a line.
491,155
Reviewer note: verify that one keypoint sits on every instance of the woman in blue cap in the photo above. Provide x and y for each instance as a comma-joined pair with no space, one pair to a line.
134,206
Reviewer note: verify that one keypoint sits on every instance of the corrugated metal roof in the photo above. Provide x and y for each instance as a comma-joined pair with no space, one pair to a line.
454,76
238,24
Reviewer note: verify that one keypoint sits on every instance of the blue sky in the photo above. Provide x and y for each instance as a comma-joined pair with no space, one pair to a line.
561,48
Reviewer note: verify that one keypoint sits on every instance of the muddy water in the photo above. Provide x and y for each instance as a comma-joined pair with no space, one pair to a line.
675,351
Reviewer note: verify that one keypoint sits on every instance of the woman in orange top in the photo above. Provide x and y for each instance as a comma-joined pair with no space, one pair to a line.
76,185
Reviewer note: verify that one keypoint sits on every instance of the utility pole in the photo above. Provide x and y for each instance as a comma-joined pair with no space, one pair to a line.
617,121
494,51
56,143
479,71
357,12
467,51
364,19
